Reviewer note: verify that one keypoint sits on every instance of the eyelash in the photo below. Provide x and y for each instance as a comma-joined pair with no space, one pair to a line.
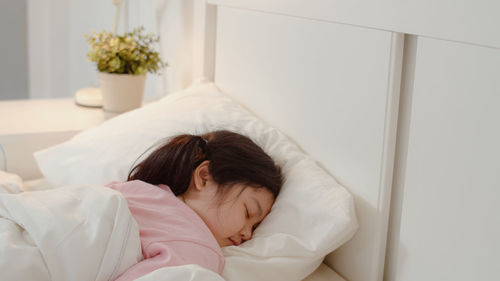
248,216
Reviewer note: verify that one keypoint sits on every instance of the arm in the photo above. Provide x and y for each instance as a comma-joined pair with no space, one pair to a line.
173,253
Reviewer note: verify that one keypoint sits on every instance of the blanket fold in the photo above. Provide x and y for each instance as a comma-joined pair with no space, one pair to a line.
68,233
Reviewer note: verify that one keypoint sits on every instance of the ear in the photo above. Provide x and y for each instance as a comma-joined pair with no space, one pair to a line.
201,176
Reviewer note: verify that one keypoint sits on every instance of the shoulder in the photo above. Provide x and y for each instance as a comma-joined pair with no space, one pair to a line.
122,184
138,186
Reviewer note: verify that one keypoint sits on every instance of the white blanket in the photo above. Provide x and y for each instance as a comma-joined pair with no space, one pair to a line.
73,233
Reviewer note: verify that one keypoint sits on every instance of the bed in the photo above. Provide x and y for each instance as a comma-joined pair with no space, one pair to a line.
331,88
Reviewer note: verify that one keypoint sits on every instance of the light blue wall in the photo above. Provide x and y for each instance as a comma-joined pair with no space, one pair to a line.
13,50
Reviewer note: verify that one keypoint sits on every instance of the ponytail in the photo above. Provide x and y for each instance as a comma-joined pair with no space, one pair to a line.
233,158
173,163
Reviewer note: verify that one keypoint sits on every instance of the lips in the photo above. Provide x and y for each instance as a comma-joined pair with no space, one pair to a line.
233,242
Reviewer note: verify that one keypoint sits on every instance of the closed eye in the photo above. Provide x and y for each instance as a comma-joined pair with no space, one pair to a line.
255,226
247,213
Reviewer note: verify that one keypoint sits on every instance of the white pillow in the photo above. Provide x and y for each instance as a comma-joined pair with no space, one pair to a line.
312,216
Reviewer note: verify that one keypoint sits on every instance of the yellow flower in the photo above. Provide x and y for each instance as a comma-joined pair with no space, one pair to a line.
114,63
129,53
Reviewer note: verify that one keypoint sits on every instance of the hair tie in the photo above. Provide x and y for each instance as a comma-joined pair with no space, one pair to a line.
203,144
204,141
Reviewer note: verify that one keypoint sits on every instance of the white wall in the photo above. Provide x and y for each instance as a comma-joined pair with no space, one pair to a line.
449,222
455,20
58,64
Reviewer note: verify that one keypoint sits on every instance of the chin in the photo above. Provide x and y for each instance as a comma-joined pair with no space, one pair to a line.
225,243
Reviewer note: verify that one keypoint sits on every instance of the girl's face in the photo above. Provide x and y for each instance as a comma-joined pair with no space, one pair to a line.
233,216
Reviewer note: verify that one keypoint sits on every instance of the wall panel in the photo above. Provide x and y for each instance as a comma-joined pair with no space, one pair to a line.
474,22
450,222
331,88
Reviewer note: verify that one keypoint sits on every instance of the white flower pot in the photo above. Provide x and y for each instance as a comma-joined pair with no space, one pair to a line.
121,92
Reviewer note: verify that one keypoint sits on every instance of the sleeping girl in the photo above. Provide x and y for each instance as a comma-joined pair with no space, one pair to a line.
180,205
196,194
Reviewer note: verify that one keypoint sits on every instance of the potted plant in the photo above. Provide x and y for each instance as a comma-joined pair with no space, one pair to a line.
123,61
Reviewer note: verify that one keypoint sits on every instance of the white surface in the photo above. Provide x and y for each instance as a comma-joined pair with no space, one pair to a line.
458,20
189,272
30,125
18,150
450,223
70,233
401,149
324,273
331,88
322,210
91,97
48,52
121,92
182,34
46,115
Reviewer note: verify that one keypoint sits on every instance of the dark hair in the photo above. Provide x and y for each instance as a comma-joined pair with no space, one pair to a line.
233,158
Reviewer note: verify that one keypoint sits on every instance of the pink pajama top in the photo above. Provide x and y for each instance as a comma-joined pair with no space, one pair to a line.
171,232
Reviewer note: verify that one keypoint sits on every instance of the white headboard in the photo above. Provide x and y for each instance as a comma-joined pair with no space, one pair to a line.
332,88
327,73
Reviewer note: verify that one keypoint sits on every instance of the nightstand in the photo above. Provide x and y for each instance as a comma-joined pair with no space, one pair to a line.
27,126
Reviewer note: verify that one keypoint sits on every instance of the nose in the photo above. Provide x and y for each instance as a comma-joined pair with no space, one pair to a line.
246,233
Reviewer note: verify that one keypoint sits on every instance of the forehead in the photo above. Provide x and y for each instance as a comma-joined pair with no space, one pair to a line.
257,197
242,191
256,192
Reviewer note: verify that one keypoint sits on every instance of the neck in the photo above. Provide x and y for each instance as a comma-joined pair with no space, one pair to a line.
181,197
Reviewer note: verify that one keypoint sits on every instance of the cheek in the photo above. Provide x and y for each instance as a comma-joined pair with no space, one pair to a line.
213,219
230,220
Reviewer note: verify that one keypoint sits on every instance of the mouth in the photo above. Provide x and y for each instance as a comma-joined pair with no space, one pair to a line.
233,242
